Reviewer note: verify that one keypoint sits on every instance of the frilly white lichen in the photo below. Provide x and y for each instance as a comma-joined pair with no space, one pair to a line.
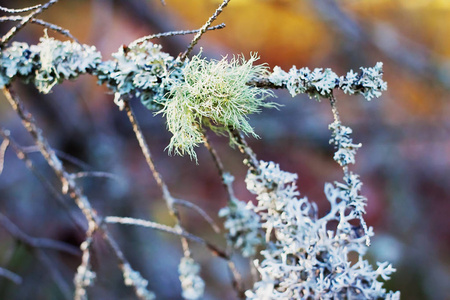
48,63
320,83
215,94
192,284
305,258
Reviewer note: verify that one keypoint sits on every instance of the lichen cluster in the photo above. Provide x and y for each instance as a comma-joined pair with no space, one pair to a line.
320,83
141,70
305,258
48,63
214,94
302,255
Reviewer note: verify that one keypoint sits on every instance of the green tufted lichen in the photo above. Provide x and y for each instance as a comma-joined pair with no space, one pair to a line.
215,94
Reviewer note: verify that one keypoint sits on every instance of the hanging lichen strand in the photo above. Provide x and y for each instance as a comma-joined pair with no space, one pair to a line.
302,258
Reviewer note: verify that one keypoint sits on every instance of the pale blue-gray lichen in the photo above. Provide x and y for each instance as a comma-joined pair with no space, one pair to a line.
320,83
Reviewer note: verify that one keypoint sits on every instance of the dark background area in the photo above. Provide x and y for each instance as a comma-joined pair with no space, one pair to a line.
404,162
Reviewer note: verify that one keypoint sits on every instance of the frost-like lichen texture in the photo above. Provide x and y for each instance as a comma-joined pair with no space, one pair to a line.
341,139
369,82
307,257
192,284
215,94
47,63
141,70
320,83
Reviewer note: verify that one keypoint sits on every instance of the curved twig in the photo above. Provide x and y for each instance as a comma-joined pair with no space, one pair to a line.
13,31
48,25
18,234
63,155
99,174
10,275
203,29
173,33
159,180
199,210
69,186
22,155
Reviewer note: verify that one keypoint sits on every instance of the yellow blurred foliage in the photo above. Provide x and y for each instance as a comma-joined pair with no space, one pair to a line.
279,31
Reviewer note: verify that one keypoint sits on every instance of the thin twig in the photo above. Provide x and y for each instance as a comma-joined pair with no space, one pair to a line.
154,225
251,161
146,151
22,155
173,33
70,158
173,230
56,275
10,275
99,174
68,185
51,26
13,31
148,158
19,10
203,29
228,184
33,242
199,210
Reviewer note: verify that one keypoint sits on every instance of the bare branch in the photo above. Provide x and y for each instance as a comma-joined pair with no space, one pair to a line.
51,26
251,161
203,29
219,165
153,225
22,155
148,158
56,275
10,275
199,210
79,175
69,186
13,31
70,158
173,33
18,234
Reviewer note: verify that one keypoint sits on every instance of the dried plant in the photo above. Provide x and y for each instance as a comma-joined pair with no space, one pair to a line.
297,254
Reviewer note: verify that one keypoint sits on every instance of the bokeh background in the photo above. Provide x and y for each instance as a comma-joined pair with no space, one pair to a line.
404,162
